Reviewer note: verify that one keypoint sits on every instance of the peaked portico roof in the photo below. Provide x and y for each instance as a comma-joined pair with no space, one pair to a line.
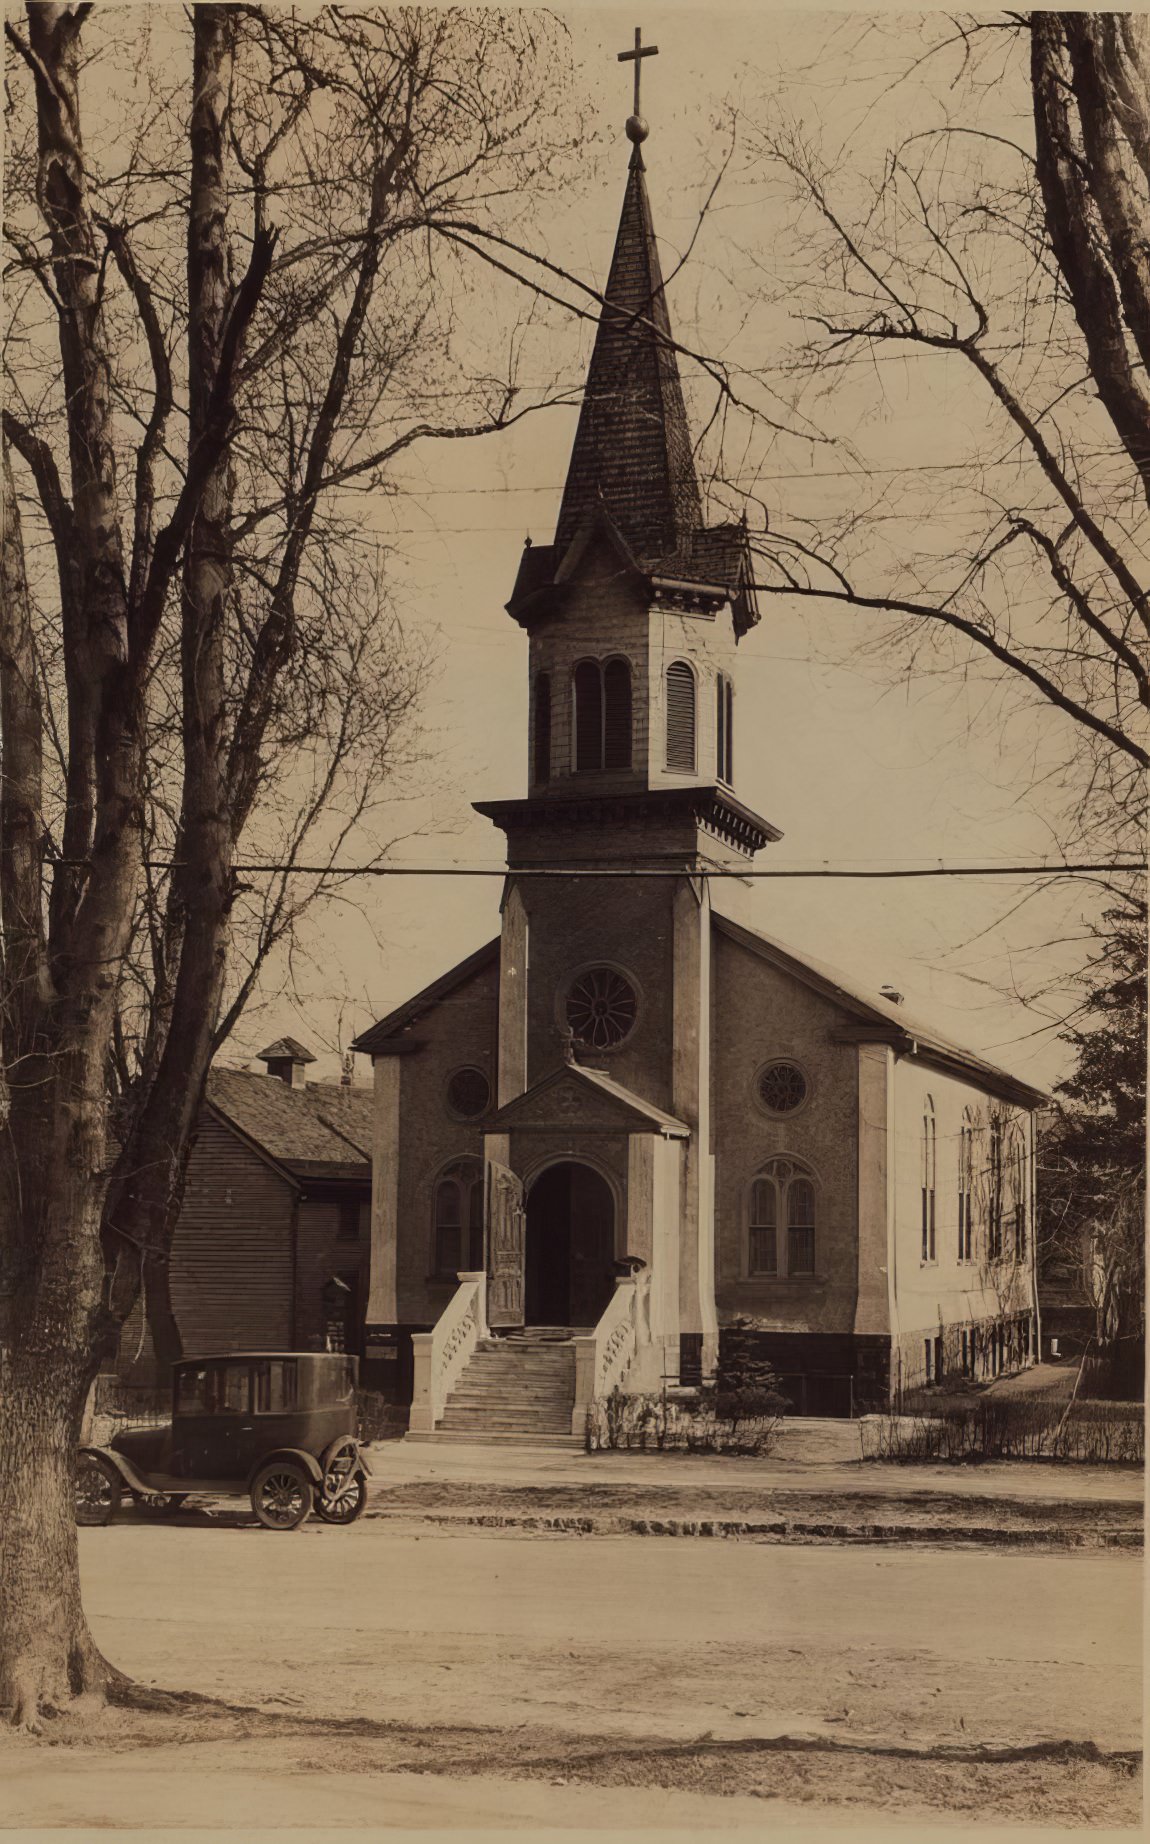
572,1084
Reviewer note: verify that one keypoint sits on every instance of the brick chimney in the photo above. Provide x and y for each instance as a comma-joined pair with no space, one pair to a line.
288,1060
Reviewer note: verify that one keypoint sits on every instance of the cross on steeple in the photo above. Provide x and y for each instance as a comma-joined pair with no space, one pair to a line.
636,126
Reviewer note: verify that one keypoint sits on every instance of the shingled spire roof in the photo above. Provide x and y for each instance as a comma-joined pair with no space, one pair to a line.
632,453
632,466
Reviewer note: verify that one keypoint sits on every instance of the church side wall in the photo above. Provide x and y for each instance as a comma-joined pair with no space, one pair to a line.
761,1013
462,1030
940,1299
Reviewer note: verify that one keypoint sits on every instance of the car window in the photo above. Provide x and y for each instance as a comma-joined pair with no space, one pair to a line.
276,1388
233,1390
192,1392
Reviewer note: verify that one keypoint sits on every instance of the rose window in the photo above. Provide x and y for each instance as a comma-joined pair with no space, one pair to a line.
782,1087
601,1008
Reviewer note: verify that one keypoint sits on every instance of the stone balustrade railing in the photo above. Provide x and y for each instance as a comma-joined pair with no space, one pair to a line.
603,1360
441,1355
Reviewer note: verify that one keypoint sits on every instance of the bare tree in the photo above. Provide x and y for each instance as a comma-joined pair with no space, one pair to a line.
224,325
1006,272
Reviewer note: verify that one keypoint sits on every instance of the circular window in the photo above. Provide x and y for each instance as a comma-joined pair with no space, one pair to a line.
782,1087
468,1093
601,1008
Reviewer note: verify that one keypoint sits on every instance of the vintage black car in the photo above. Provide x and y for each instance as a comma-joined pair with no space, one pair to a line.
277,1426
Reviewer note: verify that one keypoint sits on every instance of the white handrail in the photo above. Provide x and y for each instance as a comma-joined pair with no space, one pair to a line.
603,1359
441,1354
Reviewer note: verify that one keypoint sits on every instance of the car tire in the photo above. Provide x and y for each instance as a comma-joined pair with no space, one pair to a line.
98,1491
282,1495
348,1507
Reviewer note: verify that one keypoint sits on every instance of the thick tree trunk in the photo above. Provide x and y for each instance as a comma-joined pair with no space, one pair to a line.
52,1285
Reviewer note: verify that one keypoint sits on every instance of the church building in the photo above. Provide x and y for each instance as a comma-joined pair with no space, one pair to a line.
632,1119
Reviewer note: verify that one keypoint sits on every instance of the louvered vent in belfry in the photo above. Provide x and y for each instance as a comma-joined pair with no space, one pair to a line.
617,714
681,717
588,715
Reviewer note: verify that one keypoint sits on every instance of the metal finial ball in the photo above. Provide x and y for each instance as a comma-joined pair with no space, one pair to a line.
637,129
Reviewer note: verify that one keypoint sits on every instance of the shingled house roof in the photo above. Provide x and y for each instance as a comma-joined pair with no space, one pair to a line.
632,463
319,1130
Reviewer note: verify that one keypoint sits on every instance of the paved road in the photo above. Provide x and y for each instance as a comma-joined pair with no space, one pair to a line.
667,1636
557,1646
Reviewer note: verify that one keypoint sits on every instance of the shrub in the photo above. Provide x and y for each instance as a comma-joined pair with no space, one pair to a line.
997,1428
747,1423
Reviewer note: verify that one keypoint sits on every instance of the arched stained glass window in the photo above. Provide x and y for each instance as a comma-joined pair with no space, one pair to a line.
929,1177
681,717
782,1198
965,1187
764,1228
459,1219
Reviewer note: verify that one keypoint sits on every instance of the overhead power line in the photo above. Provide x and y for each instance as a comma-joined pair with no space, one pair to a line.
732,871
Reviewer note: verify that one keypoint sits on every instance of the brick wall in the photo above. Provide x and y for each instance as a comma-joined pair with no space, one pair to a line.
760,1013
461,1031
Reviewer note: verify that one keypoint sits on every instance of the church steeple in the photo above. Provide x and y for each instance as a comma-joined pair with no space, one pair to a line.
632,468
632,455
635,609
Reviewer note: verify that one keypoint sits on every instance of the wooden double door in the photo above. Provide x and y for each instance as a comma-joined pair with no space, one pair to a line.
569,1273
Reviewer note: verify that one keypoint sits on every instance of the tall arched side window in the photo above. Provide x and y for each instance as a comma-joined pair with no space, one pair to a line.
763,1251
588,693
929,1176
965,1186
724,729
459,1219
994,1192
541,765
1016,1190
681,717
782,1199
616,714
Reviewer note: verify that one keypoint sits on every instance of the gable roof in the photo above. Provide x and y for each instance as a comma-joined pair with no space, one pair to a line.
634,1109
376,1038
319,1130
884,1020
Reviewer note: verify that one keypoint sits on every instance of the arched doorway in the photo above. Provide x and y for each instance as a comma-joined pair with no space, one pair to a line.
570,1246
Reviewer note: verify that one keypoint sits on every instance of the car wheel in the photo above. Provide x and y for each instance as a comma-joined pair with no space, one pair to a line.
159,1504
98,1490
282,1495
343,1498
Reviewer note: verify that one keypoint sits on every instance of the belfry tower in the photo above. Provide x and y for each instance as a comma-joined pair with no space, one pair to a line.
633,615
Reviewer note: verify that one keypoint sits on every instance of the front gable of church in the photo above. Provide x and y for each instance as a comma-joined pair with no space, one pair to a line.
568,1100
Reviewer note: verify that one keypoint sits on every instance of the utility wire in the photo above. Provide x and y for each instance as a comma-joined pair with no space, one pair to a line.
531,870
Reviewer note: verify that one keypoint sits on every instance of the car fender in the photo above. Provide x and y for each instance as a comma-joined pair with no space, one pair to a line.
135,1482
302,1458
341,1440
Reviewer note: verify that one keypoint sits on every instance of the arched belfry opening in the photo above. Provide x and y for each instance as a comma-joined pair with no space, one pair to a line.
570,1251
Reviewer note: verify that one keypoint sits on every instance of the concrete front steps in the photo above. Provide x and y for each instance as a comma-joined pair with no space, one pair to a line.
517,1390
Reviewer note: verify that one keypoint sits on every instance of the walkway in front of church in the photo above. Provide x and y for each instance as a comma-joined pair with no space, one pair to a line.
813,1487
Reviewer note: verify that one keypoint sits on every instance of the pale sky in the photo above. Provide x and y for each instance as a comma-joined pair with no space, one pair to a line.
856,763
